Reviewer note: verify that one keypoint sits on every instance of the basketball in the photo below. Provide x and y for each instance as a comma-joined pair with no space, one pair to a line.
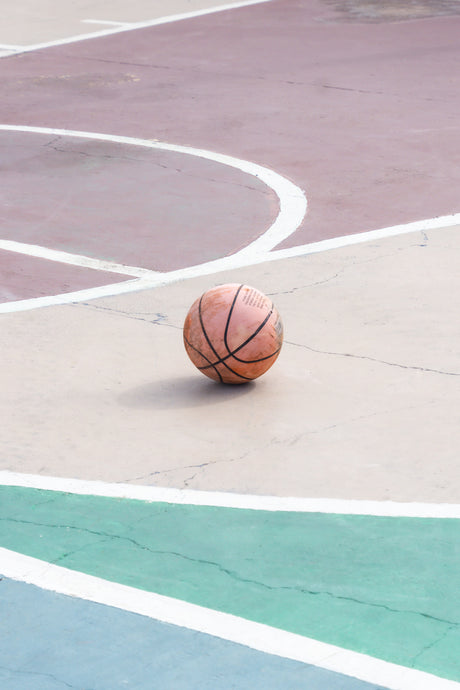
233,333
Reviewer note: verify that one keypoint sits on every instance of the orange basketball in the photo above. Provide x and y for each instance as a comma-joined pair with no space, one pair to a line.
233,333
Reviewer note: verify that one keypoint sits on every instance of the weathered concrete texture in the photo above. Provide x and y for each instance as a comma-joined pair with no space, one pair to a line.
51,641
363,401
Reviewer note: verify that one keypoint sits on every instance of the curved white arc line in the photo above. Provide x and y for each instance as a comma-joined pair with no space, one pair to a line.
259,251
293,206
222,499
226,626
293,203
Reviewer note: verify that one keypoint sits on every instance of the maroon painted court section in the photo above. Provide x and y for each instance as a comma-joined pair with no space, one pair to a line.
358,111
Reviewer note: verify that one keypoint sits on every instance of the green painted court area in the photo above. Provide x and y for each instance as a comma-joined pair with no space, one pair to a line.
387,587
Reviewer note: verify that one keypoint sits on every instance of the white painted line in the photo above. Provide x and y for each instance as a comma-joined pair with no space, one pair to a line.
293,204
226,263
140,25
258,636
372,235
230,500
6,46
74,259
109,290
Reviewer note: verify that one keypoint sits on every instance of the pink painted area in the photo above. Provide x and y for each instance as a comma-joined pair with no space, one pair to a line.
25,277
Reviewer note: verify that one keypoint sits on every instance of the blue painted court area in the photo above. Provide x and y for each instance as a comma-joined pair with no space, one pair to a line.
52,641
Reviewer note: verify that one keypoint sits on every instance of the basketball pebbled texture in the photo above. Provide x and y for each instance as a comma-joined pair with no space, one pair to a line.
233,333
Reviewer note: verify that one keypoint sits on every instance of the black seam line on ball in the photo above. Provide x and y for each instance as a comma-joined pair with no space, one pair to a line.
219,359
261,359
253,335
230,316
258,329
222,360
204,357
238,359
252,361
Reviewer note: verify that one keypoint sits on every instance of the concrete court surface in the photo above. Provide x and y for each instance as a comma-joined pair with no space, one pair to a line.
362,404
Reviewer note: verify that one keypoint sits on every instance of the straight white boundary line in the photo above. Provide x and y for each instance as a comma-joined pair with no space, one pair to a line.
230,500
74,259
258,636
227,263
370,236
130,26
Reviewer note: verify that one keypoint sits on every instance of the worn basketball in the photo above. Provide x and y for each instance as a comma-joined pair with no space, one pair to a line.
233,333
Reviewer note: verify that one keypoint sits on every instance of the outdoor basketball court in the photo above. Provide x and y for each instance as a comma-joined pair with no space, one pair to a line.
159,530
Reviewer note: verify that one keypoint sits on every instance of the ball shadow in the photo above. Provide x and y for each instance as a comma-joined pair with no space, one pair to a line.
187,391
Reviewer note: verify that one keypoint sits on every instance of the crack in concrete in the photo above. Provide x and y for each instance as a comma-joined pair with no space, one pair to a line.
432,644
262,190
352,264
72,552
248,77
353,90
394,410
233,574
200,467
159,319
186,482
169,471
101,155
308,285
373,359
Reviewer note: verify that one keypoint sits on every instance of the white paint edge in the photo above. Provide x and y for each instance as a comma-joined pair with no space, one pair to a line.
230,500
258,636
74,259
109,290
136,25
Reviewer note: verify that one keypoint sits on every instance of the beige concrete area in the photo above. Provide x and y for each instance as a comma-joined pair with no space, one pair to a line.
363,401
38,21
